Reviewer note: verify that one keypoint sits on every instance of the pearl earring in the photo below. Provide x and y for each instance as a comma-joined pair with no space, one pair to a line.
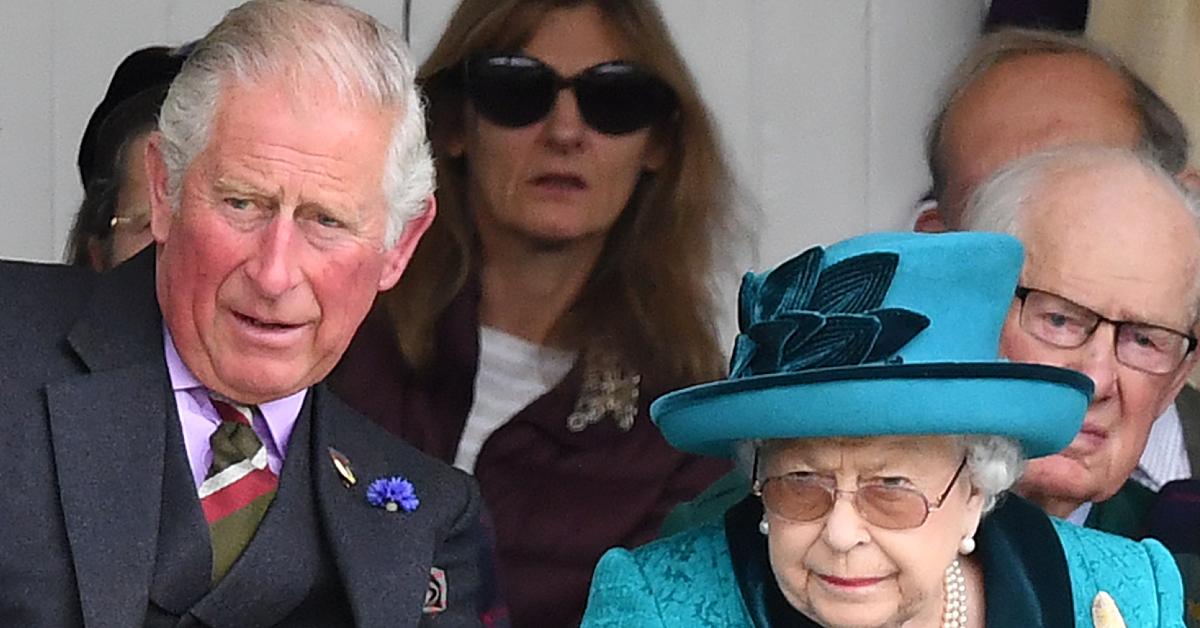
764,526
966,546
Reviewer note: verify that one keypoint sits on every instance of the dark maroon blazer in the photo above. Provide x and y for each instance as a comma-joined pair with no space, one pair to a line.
558,498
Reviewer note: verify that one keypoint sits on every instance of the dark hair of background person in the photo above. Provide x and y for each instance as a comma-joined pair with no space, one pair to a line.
129,110
1164,136
649,298
1059,15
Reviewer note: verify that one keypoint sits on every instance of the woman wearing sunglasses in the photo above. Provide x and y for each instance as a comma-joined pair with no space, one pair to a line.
881,433
582,203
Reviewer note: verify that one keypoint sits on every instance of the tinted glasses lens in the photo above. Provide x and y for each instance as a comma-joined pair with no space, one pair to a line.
891,507
803,499
796,499
511,90
618,97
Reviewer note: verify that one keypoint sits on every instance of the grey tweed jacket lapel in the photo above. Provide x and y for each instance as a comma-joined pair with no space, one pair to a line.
383,557
107,425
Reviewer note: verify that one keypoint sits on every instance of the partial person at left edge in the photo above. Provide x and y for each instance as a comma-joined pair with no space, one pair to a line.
113,221
171,456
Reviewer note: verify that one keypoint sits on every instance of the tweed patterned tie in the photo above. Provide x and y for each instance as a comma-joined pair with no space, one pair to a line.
239,486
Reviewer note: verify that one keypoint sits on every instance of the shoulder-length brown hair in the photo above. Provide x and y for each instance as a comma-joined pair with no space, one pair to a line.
649,297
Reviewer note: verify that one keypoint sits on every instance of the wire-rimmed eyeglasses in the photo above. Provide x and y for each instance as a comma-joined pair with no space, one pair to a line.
803,497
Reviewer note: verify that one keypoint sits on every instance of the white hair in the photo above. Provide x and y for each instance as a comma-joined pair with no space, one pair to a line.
994,463
1000,203
305,41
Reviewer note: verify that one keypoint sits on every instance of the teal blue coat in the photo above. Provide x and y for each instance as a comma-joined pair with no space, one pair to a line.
1038,571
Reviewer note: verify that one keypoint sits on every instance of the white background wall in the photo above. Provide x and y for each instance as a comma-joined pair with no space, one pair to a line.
822,103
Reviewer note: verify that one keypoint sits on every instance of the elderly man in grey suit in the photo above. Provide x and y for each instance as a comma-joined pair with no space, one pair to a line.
170,455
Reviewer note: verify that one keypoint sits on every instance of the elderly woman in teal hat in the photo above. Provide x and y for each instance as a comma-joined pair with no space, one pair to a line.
881,433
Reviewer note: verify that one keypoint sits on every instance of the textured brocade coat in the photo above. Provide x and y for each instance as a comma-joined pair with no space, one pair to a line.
1038,572
558,498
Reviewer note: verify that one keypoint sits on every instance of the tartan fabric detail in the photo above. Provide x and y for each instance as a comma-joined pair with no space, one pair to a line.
239,485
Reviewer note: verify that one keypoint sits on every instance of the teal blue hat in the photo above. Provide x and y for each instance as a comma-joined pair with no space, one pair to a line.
883,334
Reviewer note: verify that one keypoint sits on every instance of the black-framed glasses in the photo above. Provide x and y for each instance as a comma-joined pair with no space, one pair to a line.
803,497
1058,321
615,97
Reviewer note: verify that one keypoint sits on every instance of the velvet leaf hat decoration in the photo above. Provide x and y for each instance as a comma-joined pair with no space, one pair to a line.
798,317
883,334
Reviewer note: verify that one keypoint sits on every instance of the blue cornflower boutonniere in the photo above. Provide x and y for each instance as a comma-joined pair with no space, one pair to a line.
392,494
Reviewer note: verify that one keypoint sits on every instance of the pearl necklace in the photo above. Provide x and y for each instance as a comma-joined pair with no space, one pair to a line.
955,587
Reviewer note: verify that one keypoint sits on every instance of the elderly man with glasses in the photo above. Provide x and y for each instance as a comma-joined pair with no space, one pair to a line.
1022,91
1110,287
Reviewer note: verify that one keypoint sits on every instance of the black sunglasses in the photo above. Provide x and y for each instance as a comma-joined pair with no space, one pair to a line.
615,97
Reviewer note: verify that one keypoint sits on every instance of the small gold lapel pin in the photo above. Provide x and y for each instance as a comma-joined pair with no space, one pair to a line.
342,464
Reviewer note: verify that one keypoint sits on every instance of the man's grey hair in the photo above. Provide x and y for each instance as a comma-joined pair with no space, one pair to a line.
305,42
1164,136
994,463
1000,203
